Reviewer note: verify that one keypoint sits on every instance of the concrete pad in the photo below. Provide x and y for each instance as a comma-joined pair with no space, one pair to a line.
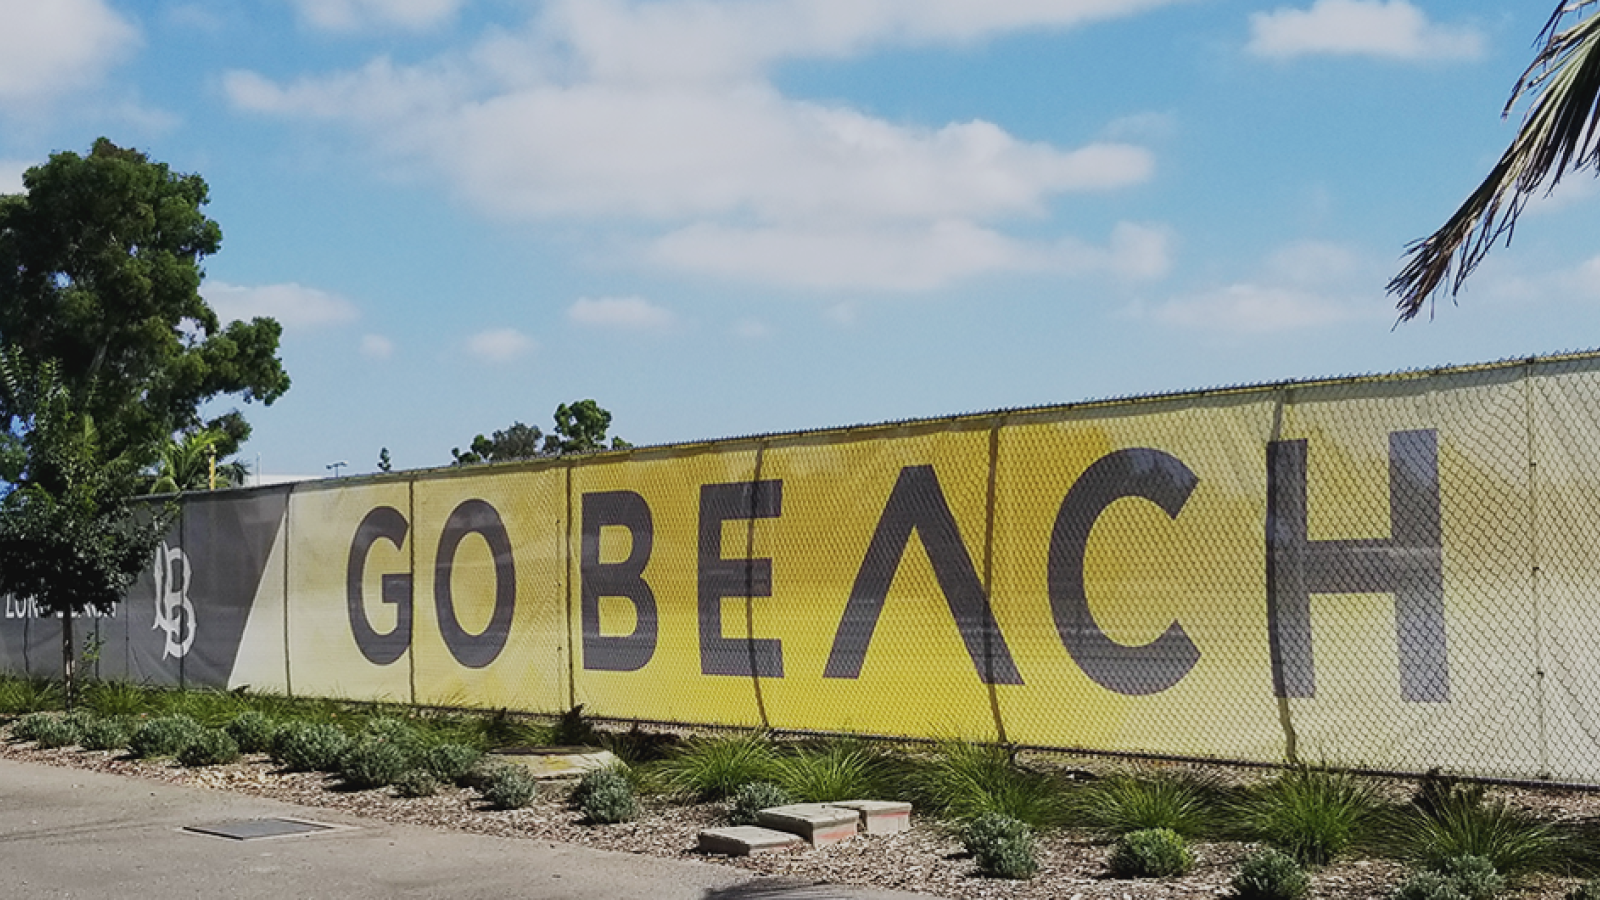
550,763
880,816
743,840
819,823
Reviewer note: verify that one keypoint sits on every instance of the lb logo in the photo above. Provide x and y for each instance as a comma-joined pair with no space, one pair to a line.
174,612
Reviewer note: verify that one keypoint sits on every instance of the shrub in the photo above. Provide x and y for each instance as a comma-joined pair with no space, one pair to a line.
373,762
1270,875
451,762
209,747
163,736
1002,847
105,734
713,768
1311,814
1126,803
1464,825
1461,878
606,797
840,770
252,731
393,730
752,798
414,783
1151,853
510,787
309,747
27,727
966,781
50,732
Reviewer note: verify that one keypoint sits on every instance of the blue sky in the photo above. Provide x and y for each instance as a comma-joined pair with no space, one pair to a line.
718,217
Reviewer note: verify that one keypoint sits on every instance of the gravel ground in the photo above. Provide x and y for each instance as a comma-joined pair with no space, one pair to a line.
925,859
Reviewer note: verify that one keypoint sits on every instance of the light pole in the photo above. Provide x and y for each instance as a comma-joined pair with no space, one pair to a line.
334,467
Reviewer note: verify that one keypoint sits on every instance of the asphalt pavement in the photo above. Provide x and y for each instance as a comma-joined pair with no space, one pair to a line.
74,833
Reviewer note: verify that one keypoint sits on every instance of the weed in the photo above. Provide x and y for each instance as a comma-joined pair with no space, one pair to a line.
606,797
309,747
210,747
637,746
965,781
713,768
252,731
1002,847
163,736
839,770
1150,853
1463,825
1126,803
510,787
1270,875
1312,814
752,798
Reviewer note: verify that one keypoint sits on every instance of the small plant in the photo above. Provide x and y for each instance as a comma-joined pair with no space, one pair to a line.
1437,792
713,768
414,783
1002,847
606,797
1312,814
27,727
1464,825
573,730
309,747
1126,803
752,798
966,781
51,732
116,698
451,762
209,747
105,734
163,736
1460,878
1150,853
840,770
392,730
510,787
1270,875
252,731
19,696
373,762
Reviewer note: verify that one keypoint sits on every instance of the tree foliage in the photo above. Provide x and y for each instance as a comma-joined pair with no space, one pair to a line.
580,427
1558,133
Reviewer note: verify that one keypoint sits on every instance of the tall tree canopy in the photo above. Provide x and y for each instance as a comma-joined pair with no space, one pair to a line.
1558,133
100,269
580,427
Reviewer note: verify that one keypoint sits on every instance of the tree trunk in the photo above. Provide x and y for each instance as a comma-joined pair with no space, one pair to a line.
68,676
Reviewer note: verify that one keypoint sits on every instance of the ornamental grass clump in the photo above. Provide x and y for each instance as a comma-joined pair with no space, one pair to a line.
1270,875
838,770
712,768
209,747
105,734
1127,802
606,797
309,747
253,731
752,798
1002,847
1459,878
1461,823
509,787
116,698
28,695
1310,813
964,781
1150,853
163,736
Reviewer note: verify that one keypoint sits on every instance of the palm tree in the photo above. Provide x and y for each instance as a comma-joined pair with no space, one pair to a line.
186,462
1558,133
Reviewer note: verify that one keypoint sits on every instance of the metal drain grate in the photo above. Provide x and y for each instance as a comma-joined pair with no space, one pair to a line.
255,829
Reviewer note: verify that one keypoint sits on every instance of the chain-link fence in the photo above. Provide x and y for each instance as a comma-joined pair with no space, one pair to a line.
1392,573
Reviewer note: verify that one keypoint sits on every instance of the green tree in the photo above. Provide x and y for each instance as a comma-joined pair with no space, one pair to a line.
580,427
189,462
1558,133
384,463
108,351
517,442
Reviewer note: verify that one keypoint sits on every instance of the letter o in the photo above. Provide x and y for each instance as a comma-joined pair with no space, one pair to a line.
475,650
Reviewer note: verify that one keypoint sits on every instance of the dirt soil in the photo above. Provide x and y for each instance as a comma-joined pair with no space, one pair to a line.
927,859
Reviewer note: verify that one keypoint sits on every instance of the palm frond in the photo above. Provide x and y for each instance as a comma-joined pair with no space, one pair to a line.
1558,134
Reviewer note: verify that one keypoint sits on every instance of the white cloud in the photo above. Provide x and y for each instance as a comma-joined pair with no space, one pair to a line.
293,305
355,15
1394,29
48,49
376,346
1303,285
663,113
628,313
500,345
11,175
